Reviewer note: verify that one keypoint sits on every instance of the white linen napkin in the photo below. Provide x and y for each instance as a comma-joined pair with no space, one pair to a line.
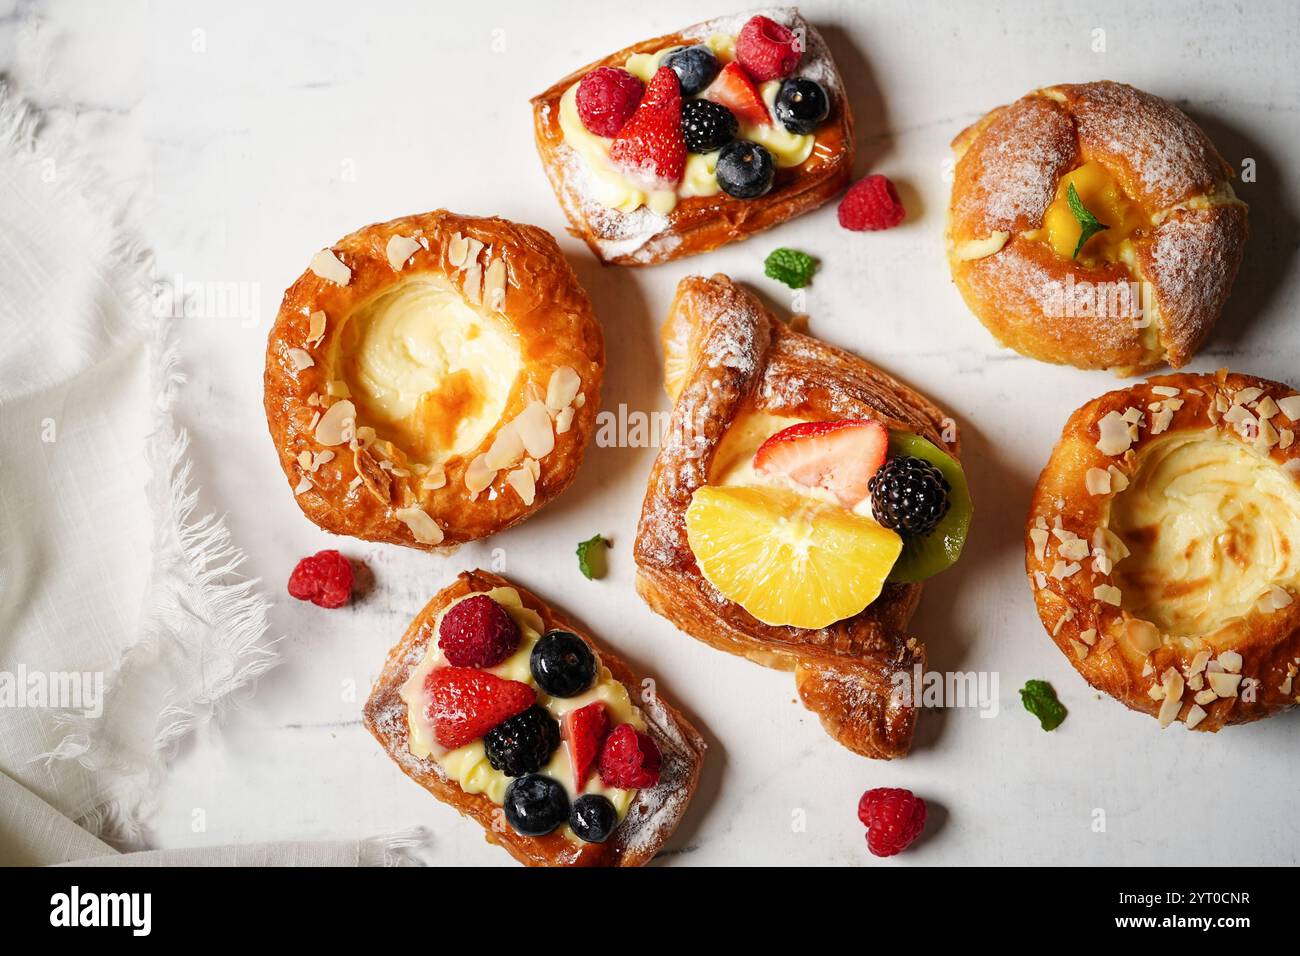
123,621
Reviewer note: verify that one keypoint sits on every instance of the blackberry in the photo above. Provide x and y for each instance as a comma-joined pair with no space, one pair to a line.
707,126
909,495
523,743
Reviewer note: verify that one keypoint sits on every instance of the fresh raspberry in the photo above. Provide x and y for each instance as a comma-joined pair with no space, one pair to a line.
651,149
325,579
894,817
464,704
584,731
477,632
767,50
871,204
607,98
629,760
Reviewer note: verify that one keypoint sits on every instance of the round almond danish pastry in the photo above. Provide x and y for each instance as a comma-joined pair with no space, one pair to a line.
1094,225
1163,547
433,379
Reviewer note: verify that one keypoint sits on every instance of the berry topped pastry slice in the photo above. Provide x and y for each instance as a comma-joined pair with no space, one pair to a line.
798,500
499,706
686,142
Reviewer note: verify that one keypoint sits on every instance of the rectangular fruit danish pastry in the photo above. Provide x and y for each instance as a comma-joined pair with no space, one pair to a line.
499,706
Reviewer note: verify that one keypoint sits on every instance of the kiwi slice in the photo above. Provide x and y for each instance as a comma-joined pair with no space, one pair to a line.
926,556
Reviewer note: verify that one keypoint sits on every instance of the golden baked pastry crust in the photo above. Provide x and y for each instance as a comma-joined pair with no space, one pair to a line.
1100,638
739,357
654,813
698,223
545,307
1008,166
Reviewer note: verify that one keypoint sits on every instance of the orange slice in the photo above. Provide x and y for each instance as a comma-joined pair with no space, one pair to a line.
786,558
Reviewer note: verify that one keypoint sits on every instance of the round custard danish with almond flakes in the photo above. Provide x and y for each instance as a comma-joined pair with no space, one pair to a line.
1094,225
433,380
1163,547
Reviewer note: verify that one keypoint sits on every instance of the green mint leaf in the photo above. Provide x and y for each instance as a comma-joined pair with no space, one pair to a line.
1040,700
790,266
1088,223
591,557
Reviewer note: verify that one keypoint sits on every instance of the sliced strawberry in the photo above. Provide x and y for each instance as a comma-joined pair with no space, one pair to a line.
584,731
838,456
736,91
650,148
466,703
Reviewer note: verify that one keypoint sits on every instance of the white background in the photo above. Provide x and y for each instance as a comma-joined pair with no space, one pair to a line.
248,135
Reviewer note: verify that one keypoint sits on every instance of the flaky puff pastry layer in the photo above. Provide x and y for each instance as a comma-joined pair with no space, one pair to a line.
1043,305
698,223
738,357
655,811
1114,651
370,489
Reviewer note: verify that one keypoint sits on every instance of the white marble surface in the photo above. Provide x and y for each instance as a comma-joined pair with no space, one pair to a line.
247,135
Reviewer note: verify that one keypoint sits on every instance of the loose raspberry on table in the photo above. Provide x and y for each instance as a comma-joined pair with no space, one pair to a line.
606,99
629,759
871,204
894,817
767,50
477,632
325,579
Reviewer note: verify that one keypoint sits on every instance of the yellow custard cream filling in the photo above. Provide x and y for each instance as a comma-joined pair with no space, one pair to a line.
1212,526
428,371
468,765
611,188
733,462
1101,195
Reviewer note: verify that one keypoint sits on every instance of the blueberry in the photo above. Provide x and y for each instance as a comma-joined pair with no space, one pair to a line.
562,664
707,126
695,66
523,743
593,818
801,105
745,170
535,805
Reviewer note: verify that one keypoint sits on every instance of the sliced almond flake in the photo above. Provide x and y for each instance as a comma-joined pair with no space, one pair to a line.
1173,684
507,448
1223,684
1063,569
1156,692
1231,661
338,424
1281,597
373,476
1241,419
1105,644
329,267
434,478
1214,667
473,248
562,388
534,426
1168,391
580,399
1040,580
1206,696
1290,407
303,484
1107,593
1063,534
1101,562
423,528
398,250
1266,407
1080,648
300,359
1074,550
1247,395
1142,636
1097,481
365,435
1111,543
313,399
1194,391
1213,415
1267,437
478,475
457,250
304,460
1089,636
472,285
494,285
1040,522
1147,669
1198,662
1196,681
1039,537
315,328
1114,434
1221,402
1194,716
322,458
1285,438
522,481
1132,415
355,483
337,388
564,420
1161,420
315,420
1118,480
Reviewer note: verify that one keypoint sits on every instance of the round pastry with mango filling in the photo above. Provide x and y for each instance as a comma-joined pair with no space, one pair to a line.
1163,547
1094,225
433,379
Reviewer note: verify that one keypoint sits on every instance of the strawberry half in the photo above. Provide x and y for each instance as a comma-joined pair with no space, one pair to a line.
736,91
466,703
584,731
840,456
650,149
